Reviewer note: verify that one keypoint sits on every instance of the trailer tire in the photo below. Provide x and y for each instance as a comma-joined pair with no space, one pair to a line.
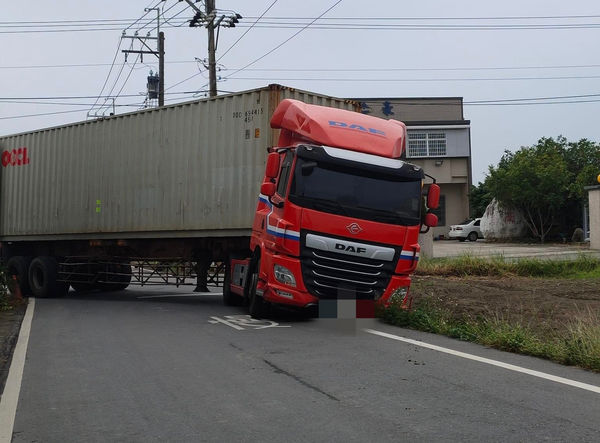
43,275
473,236
257,307
19,267
83,287
121,281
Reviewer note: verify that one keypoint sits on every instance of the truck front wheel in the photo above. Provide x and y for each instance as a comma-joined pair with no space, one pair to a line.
43,275
257,307
229,298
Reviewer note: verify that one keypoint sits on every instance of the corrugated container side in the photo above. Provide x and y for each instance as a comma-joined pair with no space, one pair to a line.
191,169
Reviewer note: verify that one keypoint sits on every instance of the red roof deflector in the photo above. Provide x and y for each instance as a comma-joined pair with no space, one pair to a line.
301,122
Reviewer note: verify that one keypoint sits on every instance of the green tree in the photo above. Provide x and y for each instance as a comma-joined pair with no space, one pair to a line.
533,180
480,198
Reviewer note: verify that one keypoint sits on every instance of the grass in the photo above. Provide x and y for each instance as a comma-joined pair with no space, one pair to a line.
576,344
7,300
584,266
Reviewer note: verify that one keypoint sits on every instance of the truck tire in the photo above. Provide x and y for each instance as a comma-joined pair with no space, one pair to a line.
257,307
43,274
82,287
473,236
117,282
229,298
19,267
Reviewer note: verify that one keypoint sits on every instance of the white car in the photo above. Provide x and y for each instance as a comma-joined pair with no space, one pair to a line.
469,229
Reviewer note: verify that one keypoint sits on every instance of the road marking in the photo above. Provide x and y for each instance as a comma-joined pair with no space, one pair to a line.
488,361
195,294
243,322
10,397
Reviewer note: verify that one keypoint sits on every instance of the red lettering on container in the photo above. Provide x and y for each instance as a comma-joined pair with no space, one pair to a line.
15,157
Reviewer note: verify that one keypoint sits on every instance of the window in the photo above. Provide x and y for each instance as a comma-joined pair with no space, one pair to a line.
426,144
441,211
285,174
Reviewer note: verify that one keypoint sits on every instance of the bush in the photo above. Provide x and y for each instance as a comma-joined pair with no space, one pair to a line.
578,344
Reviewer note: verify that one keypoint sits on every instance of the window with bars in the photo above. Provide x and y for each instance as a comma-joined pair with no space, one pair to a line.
426,144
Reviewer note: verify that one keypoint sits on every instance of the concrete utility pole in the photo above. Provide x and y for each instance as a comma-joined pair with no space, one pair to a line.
161,68
160,53
212,64
210,21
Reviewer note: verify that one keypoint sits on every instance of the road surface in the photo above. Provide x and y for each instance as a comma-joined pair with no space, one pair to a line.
166,364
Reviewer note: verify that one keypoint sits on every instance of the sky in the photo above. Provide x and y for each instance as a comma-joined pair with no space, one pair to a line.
478,50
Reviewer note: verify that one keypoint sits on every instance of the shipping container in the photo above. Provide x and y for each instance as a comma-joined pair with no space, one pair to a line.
189,170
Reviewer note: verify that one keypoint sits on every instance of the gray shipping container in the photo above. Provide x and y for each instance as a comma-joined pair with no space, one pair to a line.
187,170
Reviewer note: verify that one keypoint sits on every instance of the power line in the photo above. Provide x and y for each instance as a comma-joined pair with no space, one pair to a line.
321,79
42,114
109,72
148,9
247,31
286,40
283,18
350,69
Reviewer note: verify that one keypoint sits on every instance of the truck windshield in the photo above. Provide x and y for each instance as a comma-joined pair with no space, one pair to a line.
356,193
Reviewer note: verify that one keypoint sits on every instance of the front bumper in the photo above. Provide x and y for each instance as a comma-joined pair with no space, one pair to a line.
298,296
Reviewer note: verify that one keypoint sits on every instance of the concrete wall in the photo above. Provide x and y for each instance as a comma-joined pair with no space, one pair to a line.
594,205
457,140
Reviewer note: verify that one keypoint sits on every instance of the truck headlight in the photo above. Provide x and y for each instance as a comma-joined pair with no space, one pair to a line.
284,275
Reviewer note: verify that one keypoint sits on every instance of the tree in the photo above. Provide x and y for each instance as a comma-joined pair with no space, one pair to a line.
480,198
533,180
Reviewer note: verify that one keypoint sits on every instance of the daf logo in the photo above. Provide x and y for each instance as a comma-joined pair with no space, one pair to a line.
350,248
354,228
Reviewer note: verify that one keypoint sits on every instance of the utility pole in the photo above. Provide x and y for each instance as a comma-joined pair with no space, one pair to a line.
212,64
161,68
159,53
210,21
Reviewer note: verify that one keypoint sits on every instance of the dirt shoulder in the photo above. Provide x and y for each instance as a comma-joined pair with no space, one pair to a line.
539,303
10,324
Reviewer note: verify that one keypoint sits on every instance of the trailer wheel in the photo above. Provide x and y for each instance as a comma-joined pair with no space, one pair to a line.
82,287
43,275
257,307
116,282
19,267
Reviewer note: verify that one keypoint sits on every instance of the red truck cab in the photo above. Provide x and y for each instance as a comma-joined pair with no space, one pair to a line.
338,216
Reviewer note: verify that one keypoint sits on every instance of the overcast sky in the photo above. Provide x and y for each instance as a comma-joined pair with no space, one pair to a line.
393,55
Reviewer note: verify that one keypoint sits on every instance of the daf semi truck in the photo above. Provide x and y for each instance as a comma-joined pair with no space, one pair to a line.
292,196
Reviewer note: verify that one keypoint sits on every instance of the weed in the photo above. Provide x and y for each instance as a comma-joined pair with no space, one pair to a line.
577,344
584,266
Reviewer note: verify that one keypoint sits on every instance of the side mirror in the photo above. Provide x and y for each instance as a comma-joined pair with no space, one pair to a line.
272,168
433,197
268,189
431,220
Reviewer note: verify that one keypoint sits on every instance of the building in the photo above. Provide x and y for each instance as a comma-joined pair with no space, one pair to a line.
439,140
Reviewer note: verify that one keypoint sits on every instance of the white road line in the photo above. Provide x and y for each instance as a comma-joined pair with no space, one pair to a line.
195,294
10,397
216,320
488,361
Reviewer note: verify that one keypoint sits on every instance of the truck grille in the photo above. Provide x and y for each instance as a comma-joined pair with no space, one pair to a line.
332,275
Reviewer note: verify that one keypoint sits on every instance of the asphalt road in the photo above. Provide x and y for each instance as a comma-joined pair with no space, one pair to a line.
140,367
